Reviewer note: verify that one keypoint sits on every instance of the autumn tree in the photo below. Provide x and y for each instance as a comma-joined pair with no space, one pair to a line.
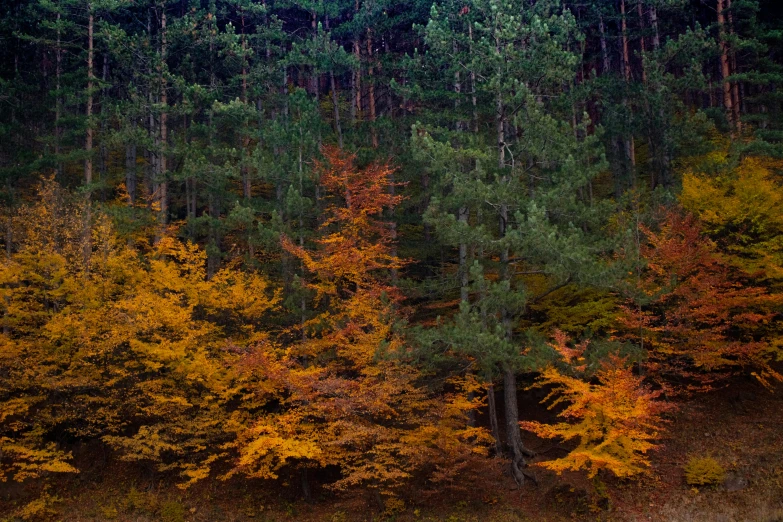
351,397
613,416
695,315
738,205
134,351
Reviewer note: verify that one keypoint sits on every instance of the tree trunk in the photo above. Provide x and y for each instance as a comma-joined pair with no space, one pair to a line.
607,69
59,102
87,239
102,169
724,67
473,99
642,42
336,103
654,22
493,419
371,90
90,85
357,83
163,184
130,172
513,435
735,90
604,53
464,274
246,187
630,146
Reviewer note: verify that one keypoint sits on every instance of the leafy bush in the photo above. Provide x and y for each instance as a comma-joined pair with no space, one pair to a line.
704,471
172,511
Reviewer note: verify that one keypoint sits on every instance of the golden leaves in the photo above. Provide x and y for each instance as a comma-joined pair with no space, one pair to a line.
615,420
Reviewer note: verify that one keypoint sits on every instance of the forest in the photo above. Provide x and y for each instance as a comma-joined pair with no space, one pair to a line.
444,260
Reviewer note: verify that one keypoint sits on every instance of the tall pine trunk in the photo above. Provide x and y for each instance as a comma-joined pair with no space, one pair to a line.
735,89
728,102
90,85
162,164
371,90
630,146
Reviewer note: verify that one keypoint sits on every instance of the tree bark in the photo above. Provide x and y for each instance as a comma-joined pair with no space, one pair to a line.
336,104
630,146
493,419
735,89
654,22
163,187
642,42
90,84
513,434
87,239
59,102
130,172
724,67
464,274
371,90
104,156
246,186
604,52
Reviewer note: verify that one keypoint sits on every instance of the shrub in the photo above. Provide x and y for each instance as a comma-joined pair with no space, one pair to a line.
704,471
172,511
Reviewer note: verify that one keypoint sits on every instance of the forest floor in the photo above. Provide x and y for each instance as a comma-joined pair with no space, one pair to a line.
741,426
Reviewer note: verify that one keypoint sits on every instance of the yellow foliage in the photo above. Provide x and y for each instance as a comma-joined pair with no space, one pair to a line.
112,342
703,471
40,508
741,208
350,397
614,420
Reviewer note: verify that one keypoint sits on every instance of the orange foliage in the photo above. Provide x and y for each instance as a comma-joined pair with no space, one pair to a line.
615,420
698,317
350,398
125,348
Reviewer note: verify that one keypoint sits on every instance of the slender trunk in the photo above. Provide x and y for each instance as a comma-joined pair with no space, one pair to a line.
457,91
306,491
724,67
163,187
336,104
630,146
90,85
130,172
643,46
246,186
654,22
626,56
104,154
356,101
493,420
213,258
513,434
604,53
464,273
500,130
151,158
313,73
473,99
735,89
607,68
87,239
642,42
664,167
58,112
371,90
357,83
